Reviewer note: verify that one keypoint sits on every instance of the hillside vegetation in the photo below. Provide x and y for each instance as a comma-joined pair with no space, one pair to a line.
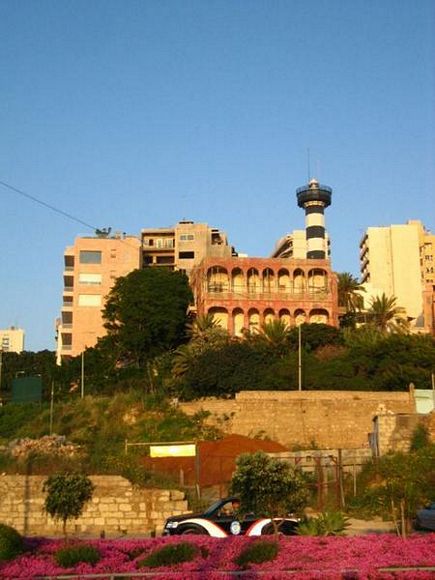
95,430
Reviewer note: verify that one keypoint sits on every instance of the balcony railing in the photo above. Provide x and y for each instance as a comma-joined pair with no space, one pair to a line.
272,294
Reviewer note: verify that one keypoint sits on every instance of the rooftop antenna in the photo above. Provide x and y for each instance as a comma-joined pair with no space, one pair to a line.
308,165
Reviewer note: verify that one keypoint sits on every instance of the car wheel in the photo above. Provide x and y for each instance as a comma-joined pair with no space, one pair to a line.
196,530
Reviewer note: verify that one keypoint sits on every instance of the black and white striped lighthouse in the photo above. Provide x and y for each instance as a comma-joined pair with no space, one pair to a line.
314,198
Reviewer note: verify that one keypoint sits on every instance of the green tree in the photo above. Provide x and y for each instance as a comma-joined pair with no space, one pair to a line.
268,486
349,292
398,484
145,314
275,334
27,363
384,315
67,496
314,336
201,326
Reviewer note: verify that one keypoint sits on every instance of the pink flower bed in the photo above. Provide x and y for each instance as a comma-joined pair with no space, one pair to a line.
350,558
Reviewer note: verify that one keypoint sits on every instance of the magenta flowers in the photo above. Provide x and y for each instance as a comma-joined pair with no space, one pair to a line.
351,558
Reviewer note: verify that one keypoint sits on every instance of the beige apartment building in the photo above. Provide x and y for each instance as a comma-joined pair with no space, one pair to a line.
183,246
12,339
91,267
398,260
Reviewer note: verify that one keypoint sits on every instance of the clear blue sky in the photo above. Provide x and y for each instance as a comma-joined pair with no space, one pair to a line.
137,113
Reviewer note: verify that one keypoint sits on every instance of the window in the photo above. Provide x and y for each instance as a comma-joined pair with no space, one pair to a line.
187,237
186,255
94,279
90,257
89,300
164,243
165,260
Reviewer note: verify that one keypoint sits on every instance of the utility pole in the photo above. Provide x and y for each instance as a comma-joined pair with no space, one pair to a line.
300,357
82,382
51,407
1,365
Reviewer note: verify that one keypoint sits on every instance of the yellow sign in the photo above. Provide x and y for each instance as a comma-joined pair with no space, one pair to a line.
187,450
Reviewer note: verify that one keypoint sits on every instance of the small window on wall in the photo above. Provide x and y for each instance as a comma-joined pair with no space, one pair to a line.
90,257
187,237
89,300
186,255
94,279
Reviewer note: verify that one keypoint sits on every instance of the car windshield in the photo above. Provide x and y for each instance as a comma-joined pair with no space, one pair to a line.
217,505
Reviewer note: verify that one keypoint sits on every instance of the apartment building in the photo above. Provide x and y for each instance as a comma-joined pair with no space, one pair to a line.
91,267
398,260
12,339
183,246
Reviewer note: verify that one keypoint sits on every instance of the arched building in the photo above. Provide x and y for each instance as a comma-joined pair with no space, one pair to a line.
244,293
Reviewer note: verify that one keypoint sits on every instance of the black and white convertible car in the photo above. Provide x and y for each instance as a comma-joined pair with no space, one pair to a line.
223,518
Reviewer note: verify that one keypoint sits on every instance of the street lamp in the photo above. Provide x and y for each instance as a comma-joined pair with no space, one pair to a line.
301,321
300,357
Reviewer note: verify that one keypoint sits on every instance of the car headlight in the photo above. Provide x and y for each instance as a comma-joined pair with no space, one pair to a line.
171,525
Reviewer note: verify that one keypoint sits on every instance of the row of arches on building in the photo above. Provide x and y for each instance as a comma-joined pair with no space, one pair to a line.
268,280
236,320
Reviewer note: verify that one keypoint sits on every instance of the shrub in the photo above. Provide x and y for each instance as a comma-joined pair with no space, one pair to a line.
257,553
327,524
67,495
72,555
170,555
11,543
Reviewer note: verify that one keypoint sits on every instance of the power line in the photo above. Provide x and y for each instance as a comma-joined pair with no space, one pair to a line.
47,205
61,212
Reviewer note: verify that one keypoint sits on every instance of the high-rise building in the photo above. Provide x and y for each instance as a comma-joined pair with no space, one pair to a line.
91,267
398,260
12,339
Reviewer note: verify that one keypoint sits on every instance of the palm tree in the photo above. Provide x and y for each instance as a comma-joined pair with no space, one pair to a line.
200,327
276,334
349,293
384,315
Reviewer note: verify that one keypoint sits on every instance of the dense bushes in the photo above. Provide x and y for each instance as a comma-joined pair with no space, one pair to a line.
257,553
70,556
170,555
11,543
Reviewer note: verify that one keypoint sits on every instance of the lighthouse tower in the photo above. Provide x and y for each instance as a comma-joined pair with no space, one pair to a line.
314,198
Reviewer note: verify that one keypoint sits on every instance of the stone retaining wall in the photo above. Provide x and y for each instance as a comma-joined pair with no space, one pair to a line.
325,419
116,507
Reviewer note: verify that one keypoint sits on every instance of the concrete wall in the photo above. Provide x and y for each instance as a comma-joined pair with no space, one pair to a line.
395,432
116,507
324,419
